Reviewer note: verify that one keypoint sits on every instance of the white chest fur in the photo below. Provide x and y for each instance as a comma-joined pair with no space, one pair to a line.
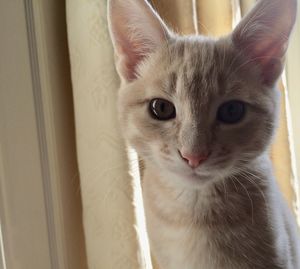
178,248
175,242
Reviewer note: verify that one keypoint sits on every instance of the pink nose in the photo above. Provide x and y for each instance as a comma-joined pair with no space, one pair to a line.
194,160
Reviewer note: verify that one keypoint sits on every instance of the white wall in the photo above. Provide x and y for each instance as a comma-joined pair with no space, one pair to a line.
293,86
40,205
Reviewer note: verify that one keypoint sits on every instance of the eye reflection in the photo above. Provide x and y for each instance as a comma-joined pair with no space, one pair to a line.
161,109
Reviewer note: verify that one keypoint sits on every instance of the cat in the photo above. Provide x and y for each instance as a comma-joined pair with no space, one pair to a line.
201,113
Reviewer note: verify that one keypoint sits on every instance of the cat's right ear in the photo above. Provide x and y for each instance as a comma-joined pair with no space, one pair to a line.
263,35
136,31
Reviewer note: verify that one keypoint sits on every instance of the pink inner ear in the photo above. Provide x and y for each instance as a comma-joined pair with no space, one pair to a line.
269,55
136,32
131,65
133,55
266,51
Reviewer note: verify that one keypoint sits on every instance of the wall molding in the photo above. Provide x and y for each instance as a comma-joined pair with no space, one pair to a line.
40,121
40,200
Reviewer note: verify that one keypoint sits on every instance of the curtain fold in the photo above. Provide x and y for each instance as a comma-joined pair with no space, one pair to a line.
110,224
246,5
281,155
177,14
214,17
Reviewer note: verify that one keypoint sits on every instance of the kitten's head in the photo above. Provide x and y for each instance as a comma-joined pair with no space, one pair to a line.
195,107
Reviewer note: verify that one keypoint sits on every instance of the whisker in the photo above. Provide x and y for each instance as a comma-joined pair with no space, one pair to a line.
225,191
244,175
251,201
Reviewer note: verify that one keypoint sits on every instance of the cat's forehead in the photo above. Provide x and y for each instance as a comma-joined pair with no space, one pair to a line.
193,50
194,66
189,54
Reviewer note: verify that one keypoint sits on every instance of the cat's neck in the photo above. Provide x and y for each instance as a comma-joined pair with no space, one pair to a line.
230,199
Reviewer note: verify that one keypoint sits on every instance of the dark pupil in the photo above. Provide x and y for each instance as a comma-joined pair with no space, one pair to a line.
231,112
162,109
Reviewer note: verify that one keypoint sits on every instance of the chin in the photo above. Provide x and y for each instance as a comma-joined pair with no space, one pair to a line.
186,178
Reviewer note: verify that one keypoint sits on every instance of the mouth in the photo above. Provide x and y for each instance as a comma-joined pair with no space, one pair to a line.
186,173
200,176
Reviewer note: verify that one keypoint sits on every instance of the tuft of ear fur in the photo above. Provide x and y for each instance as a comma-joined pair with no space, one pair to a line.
136,31
264,33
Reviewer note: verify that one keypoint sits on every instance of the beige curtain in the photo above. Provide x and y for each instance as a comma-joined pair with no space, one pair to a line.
114,232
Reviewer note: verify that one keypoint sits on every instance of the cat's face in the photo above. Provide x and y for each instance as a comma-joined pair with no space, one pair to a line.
195,108
218,108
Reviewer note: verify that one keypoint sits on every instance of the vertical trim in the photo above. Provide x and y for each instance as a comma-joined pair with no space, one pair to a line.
2,217
195,16
294,175
292,84
2,252
39,112
236,12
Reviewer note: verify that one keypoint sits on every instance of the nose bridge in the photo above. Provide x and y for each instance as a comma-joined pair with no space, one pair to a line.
195,137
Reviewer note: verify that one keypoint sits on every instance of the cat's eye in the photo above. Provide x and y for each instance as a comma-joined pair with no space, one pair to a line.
161,109
231,112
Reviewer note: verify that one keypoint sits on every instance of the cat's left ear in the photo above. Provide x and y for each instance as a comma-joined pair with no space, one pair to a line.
263,36
136,31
